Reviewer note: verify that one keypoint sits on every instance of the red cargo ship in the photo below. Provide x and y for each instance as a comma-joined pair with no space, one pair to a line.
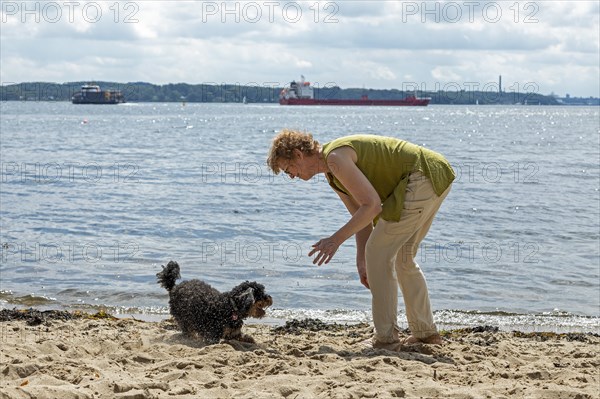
302,93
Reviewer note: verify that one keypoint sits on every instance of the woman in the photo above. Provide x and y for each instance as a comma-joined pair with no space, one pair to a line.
392,189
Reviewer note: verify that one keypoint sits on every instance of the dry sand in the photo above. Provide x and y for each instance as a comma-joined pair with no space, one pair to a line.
90,357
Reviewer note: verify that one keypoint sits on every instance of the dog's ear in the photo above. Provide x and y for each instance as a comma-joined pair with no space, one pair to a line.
246,298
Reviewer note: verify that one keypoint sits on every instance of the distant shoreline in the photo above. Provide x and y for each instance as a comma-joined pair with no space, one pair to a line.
237,93
277,104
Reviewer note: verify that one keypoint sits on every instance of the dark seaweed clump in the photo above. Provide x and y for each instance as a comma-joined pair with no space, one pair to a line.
470,330
35,317
298,327
545,336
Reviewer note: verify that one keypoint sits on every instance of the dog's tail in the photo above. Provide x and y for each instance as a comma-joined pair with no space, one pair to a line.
169,275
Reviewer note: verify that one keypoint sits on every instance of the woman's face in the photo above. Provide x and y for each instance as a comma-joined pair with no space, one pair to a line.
298,166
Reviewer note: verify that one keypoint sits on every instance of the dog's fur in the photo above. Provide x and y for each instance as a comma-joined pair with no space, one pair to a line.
201,310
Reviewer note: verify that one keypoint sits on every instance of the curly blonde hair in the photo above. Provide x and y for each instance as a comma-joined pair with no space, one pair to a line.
286,142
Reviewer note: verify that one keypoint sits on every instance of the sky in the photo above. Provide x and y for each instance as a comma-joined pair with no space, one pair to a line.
536,46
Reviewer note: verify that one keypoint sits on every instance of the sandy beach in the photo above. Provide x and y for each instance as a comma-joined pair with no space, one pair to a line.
71,355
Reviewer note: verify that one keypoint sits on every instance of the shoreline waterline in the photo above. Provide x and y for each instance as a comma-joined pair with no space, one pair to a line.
558,322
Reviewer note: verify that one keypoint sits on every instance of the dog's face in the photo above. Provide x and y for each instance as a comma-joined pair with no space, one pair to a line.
251,299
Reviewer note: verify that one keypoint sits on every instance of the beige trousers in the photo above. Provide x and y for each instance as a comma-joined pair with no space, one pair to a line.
390,253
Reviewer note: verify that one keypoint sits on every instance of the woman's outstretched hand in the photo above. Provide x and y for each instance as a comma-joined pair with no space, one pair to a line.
325,249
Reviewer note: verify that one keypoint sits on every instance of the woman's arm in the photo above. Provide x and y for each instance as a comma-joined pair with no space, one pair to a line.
342,164
361,239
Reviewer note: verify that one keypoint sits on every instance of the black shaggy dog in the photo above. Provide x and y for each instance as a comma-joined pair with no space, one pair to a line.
201,310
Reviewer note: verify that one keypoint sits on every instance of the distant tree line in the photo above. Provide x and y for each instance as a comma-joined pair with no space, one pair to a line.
227,93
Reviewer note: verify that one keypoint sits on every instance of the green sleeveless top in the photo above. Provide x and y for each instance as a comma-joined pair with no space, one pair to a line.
387,162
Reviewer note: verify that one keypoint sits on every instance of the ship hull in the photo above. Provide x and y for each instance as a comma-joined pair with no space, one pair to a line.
364,102
96,102
102,97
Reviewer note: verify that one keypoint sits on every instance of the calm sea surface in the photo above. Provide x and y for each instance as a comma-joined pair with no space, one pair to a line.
95,199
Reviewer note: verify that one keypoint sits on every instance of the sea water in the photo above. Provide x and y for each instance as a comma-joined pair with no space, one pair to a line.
95,199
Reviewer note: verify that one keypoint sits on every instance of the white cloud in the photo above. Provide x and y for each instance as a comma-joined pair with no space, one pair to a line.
445,75
382,44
